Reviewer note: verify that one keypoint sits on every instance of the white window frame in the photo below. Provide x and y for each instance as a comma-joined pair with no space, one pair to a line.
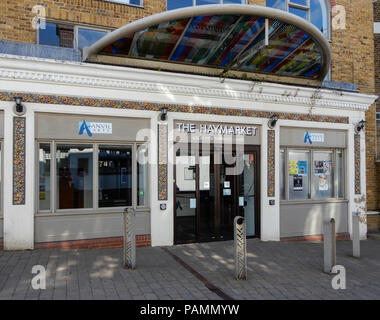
311,175
95,205
75,30
126,2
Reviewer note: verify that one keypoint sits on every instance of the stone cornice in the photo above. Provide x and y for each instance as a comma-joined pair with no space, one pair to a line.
90,75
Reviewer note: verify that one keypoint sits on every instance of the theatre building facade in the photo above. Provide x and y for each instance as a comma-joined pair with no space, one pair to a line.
191,117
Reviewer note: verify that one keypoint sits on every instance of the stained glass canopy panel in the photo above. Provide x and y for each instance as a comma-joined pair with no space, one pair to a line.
234,37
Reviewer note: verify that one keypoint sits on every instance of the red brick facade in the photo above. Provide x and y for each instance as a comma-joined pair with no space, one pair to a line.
114,242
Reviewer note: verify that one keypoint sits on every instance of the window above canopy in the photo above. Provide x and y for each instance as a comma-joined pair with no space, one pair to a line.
236,38
314,11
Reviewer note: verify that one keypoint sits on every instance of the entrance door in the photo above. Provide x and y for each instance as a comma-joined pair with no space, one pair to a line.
211,189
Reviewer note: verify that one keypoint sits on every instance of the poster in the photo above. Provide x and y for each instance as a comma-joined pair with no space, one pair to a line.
227,192
227,184
323,185
298,183
322,167
293,167
302,168
193,203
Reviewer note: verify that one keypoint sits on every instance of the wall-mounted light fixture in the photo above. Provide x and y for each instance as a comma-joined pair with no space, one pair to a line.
359,126
19,109
272,121
164,113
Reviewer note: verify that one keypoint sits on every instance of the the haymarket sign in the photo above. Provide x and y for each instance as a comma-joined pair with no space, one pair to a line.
217,129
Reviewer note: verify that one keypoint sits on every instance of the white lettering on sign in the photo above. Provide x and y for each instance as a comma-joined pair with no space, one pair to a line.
317,137
217,129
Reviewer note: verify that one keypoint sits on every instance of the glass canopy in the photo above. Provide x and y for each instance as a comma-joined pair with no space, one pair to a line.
242,42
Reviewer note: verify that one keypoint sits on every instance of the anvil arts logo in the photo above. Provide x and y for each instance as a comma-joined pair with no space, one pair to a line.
94,128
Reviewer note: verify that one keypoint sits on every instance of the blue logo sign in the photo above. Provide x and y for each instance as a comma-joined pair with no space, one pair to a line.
307,138
84,127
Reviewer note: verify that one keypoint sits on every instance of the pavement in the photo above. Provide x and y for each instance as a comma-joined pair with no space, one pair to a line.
205,271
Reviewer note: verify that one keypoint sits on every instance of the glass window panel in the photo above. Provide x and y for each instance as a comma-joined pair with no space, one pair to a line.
136,2
49,35
298,169
301,2
203,2
282,174
323,172
278,4
234,2
298,12
175,4
340,173
142,175
57,35
74,176
186,198
202,37
44,179
115,176
319,15
86,37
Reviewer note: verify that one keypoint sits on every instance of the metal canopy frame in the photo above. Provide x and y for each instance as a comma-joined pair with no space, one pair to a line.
285,19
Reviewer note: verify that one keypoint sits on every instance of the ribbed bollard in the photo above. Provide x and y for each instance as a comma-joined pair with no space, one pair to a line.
355,235
329,244
240,241
129,238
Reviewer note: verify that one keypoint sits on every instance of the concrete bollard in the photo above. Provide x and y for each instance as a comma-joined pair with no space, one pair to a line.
355,235
129,238
329,244
240,241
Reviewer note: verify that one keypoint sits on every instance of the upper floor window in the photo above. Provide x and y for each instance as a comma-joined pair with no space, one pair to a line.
132,2
176,4
314,11
69,36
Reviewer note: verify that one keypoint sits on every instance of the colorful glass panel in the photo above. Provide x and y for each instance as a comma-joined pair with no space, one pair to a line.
202,37
158,41
227,41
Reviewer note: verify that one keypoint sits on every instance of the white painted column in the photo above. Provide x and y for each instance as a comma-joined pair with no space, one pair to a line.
18,219
270,214
161,220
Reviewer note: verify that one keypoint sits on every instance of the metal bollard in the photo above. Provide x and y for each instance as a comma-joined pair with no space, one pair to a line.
355,235
240,241
129,239
329,244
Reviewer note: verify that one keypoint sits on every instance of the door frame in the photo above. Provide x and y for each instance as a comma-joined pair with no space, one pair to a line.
257,191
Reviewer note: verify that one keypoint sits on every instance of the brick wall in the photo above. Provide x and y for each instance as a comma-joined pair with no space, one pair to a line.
353,61
376,14
16,15
114,242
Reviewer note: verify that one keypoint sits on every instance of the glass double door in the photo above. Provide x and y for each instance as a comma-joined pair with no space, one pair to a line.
211,188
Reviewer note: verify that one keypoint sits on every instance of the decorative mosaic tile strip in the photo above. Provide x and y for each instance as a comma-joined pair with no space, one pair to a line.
357,163
162,162
19,161
271,163
121,104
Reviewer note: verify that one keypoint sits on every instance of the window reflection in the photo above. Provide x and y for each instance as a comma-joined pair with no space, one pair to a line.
44,181
115,176
87,37
74,176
